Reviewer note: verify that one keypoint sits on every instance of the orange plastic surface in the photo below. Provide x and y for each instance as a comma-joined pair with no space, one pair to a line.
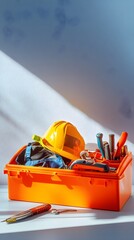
98,190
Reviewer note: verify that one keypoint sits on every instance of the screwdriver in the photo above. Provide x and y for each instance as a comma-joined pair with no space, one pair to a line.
124,150
107,151
111,145
28,213
120,143
100,143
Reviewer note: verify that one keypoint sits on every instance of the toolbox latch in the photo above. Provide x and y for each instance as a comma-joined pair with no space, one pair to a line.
55,177
102,182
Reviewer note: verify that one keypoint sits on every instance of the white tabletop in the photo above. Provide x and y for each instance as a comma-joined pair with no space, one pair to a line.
82,224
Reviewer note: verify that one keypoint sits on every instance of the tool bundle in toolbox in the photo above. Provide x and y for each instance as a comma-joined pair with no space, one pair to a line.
58,169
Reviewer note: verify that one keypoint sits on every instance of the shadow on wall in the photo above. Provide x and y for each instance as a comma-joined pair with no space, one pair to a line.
28,106
82,50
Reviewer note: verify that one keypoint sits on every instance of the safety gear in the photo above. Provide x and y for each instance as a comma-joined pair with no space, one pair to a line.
64,139
35,155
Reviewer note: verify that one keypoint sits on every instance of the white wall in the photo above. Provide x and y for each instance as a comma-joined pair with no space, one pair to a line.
69,60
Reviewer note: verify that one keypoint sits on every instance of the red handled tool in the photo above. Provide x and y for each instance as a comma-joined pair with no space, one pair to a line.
30,212
120,144
82,164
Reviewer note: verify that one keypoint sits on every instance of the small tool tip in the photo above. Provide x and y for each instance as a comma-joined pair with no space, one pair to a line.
99,135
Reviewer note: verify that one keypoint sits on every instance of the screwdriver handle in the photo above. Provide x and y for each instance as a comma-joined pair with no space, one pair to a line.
28,213
100,143
40,209
124,150
120,143
111,144
107,151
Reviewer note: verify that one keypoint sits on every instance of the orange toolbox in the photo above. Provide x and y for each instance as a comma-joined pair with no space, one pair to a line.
79,188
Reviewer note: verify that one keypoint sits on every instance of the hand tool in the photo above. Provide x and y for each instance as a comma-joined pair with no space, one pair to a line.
100,143
30,212
120,143
104,143
107,151
111,145
58,211
84,154
124,150
81,164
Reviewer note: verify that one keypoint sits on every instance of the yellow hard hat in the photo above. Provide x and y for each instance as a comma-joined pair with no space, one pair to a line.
64,139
